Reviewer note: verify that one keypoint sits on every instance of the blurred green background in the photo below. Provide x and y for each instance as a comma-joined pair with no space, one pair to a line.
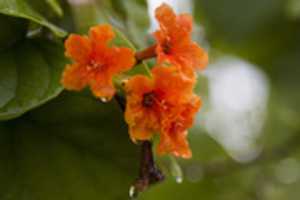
63,145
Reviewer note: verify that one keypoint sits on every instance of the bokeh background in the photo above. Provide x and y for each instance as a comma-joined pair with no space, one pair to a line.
245,140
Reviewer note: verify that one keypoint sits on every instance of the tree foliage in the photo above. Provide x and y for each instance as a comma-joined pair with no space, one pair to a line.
60,145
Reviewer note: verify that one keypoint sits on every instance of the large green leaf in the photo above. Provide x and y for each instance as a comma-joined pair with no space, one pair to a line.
12,30
55,7
135,19
30,74
22,9
67,149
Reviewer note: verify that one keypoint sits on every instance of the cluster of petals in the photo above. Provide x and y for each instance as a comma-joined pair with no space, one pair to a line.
165,103
174,42
95,62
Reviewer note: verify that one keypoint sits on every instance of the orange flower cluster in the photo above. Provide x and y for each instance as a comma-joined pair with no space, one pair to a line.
174,42
164,103
95,62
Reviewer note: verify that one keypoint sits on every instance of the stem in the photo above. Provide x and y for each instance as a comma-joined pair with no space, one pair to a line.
149,173
121,101
146,54
148,168
146,159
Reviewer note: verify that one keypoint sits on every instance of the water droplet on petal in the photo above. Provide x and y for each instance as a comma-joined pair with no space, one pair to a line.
123,83
104,99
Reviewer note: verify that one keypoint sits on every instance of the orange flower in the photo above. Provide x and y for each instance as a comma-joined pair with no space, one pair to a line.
95,62
142,110
174,42
175,122
165,104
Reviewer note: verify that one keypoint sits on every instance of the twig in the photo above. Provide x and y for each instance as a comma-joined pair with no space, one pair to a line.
149,173
145,54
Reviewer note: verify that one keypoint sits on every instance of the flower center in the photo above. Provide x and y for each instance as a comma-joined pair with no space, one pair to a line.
94,65
166,47
148,99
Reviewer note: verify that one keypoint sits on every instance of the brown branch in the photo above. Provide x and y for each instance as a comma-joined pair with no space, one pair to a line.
149,173
145,54
121,101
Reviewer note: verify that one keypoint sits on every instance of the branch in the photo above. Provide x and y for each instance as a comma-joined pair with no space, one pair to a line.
149,173
145,54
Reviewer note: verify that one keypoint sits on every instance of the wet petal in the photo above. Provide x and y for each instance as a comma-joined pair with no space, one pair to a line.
102,87
177,86
78,48
75,77
185,22
140,134
166,17
174,42
122,59
101,34
196,56
139,85
98,61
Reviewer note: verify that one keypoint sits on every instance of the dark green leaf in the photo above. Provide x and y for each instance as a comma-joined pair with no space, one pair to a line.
12,30
30,74
137,22
21,9
135,18
72,152
55,7
293,9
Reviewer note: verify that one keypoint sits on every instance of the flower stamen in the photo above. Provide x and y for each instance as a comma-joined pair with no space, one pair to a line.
148,99
166,47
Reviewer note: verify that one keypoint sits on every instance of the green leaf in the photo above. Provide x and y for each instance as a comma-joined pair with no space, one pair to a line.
8,81
30,74
121,40
12,30
67,149
134,16
293,9
55,7
21,9
137,22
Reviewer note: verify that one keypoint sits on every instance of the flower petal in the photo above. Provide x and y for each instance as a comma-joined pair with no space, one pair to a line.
78,48
101,34
102,87
166,17
122,59
195,56
138,85
176,86
185,22
139,133
175,144
174,42
75,77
